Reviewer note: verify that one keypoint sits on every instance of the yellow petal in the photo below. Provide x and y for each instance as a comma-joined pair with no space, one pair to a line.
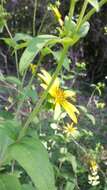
56,12
43,78
56,83
70,109
69,93
57,111
52,90
46,75
43,86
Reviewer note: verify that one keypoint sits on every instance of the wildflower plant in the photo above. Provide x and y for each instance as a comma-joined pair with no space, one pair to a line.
21,135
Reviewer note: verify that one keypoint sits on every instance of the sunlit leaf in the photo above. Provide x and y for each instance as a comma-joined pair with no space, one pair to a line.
9,182
33,157
34,47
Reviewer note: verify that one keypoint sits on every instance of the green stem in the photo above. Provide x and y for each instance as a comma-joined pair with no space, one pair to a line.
34,18
82,14
29,85
44,95
16,58
17,67
42,22
90,13
72,8
90,99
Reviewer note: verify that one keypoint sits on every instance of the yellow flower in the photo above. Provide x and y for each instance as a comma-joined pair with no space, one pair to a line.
70,130
57,14
93,167
32,68
60,96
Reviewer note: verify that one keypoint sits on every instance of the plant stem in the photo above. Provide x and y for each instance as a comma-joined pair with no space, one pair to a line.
90,13
90,99
42,22
34,18
29,85
82,14
44,95
16,58
72,8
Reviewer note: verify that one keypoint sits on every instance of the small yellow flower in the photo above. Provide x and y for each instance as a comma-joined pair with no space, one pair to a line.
57,14
60,96
70,130
100,105
93,167
32,68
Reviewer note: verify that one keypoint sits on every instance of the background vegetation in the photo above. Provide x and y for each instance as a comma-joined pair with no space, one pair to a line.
78,160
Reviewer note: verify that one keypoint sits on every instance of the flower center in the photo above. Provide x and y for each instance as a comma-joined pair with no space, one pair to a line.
59,96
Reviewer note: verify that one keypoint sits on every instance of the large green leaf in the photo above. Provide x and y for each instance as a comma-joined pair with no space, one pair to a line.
35,45
9,182
33,157
22,37
5,141
27,187
95,4
10,128
13,80
70,186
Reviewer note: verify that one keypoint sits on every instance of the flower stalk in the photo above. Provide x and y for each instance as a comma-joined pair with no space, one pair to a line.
44,95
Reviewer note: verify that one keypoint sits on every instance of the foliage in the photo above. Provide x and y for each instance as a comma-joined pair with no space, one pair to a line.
44,144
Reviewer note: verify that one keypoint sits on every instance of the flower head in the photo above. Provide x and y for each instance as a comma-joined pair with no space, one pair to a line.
93,167
70,130
93,179
59,95
32,68
57,14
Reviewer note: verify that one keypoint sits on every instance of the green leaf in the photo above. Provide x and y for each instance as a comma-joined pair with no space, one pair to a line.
33,157
11,128
5,141
83,109
13,80
84,29
95,4
92,118
69,27
34,47
2,78
66,63
9,182
70,186
27,187
72,159
10,42
22,36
